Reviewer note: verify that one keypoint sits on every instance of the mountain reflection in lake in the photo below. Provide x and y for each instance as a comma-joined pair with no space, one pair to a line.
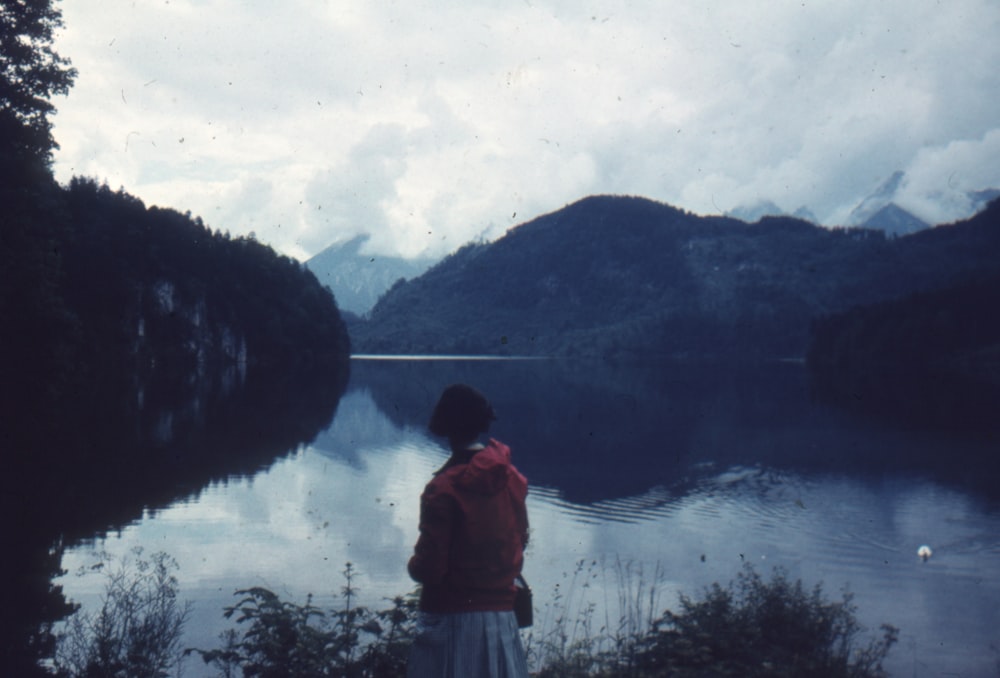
676,471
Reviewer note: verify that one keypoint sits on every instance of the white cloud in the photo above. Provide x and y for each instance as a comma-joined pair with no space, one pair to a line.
433,123
940,178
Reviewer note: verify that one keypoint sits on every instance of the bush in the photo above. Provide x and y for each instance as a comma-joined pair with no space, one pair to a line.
136,633
286,640
758,628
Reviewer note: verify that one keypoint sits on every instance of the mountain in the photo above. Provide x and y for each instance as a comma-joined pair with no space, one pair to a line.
619,276
894,220
756,211
882,196
766,208
358,280
879,211
805,214
980,199
882,209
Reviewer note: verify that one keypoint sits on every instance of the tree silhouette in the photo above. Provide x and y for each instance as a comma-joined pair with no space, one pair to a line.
30,223
31,72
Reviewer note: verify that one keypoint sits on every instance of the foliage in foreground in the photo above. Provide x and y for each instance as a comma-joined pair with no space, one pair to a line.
751,627
283,639
572,640
763,628
136,632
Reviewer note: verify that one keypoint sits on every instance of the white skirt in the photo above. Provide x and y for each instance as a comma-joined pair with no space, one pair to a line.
467,645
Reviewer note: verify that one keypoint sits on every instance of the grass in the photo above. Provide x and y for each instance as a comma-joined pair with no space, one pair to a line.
572,639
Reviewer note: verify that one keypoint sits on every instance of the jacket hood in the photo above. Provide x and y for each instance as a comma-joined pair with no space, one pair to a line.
488,471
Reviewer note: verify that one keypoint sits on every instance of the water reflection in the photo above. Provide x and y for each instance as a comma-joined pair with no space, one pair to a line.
598,432
91,464
682,477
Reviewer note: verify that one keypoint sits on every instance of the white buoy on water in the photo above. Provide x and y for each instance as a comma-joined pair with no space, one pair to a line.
924,552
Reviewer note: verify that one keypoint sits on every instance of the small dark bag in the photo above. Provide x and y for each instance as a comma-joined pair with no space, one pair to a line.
524,610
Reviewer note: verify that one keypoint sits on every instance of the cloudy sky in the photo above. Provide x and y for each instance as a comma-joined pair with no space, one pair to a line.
429,123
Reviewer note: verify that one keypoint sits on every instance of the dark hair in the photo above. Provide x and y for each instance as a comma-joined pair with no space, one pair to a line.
462,412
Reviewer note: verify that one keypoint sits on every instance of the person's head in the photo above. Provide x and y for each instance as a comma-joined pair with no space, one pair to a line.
461,414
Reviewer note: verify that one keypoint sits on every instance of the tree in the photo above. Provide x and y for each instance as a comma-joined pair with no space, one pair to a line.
30,220
30,74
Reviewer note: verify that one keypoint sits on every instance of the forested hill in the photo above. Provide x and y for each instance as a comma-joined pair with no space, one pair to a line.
614,276
117,293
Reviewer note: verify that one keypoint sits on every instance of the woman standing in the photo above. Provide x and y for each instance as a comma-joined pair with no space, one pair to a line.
473,530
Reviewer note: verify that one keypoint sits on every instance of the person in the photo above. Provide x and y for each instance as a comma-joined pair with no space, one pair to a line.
473,531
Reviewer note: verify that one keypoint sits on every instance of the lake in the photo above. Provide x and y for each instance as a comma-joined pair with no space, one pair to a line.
661,474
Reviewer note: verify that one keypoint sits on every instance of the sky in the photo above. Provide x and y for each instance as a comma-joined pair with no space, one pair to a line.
427,124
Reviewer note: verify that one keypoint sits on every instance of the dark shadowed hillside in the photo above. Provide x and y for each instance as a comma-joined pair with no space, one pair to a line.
932,356
615,276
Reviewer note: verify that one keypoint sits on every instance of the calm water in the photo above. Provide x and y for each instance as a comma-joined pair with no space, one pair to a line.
667,475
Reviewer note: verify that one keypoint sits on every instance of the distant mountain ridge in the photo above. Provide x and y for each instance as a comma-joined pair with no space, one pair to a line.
878,199
892,219
881,209
358,280
767,208
619,276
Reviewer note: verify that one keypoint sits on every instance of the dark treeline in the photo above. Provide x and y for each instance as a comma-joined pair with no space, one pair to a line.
934,329
931,357
161,286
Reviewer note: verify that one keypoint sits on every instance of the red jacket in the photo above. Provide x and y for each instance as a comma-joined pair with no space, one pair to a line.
473,530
